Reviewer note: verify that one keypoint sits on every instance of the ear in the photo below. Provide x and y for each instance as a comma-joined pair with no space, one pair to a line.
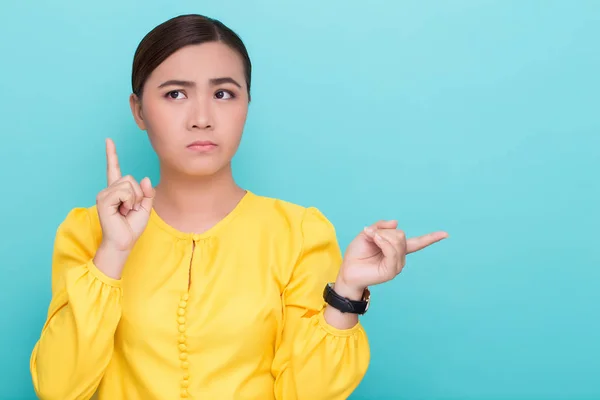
136,109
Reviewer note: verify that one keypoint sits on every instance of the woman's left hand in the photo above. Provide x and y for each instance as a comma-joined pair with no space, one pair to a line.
377,255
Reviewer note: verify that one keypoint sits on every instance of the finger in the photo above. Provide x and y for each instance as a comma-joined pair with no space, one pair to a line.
122,195
395,237
420,242
124,210
130,202
137,190
118,199
116,195
389,224
398,240
148,194
370,230
113,171
129,184
388,249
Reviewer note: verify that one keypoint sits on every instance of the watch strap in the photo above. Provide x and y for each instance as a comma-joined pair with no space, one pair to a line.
344,304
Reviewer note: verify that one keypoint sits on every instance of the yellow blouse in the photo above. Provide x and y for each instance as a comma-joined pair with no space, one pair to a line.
232,313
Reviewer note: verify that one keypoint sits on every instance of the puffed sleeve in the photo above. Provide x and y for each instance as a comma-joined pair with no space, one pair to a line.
315,360
76,342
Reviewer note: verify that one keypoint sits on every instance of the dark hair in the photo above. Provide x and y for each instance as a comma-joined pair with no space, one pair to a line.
178,32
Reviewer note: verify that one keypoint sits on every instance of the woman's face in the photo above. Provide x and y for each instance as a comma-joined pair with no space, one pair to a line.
194,107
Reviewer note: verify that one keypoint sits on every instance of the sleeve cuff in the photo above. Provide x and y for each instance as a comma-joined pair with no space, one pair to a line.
116,283
335,331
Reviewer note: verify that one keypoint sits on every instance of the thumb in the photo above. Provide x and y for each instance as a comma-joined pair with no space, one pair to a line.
148,192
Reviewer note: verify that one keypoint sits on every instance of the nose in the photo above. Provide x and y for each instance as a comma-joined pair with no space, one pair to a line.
201,116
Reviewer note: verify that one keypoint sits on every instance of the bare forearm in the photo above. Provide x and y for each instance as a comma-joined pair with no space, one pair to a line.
110,260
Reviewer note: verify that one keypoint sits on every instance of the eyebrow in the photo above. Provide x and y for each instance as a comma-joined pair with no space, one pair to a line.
213,82
175,82
226,79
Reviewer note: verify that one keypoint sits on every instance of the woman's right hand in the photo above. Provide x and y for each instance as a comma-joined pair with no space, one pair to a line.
124,210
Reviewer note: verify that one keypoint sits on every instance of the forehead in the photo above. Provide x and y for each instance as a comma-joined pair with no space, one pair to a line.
200,62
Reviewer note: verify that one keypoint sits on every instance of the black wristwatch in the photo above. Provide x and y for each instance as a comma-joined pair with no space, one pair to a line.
346,305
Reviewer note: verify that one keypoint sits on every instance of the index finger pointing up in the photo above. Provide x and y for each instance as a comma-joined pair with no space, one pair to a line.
113,171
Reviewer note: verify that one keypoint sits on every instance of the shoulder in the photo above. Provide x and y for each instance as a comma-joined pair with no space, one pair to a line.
293,217
81,224
301,238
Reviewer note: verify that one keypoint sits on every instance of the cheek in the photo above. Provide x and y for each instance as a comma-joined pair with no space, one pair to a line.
235,120
161,120
151,113
229,125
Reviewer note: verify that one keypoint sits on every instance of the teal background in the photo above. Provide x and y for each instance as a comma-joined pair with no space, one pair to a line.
481,118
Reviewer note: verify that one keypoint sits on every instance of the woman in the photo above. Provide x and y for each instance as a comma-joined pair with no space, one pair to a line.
198,288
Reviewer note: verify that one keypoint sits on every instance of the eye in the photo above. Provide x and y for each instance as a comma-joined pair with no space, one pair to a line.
224,95
175,95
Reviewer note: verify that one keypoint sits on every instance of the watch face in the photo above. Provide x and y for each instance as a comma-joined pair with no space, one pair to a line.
367,299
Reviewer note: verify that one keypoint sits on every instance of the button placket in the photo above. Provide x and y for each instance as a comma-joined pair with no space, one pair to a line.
182,321
182,345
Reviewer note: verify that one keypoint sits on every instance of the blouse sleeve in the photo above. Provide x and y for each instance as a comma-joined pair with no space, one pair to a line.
315,360
76,342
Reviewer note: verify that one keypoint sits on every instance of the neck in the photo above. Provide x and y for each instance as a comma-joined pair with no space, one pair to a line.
194,204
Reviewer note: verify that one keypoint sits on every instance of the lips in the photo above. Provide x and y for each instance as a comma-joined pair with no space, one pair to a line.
202,146
202,143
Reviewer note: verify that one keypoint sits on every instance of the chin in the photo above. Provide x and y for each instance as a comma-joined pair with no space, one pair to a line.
203,170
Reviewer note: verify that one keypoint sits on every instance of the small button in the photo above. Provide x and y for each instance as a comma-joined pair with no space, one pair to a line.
185,364
183,356
182,347
181,328
186,376
184,393
181,312
185,383
181,320
185,297
182,304
182,338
